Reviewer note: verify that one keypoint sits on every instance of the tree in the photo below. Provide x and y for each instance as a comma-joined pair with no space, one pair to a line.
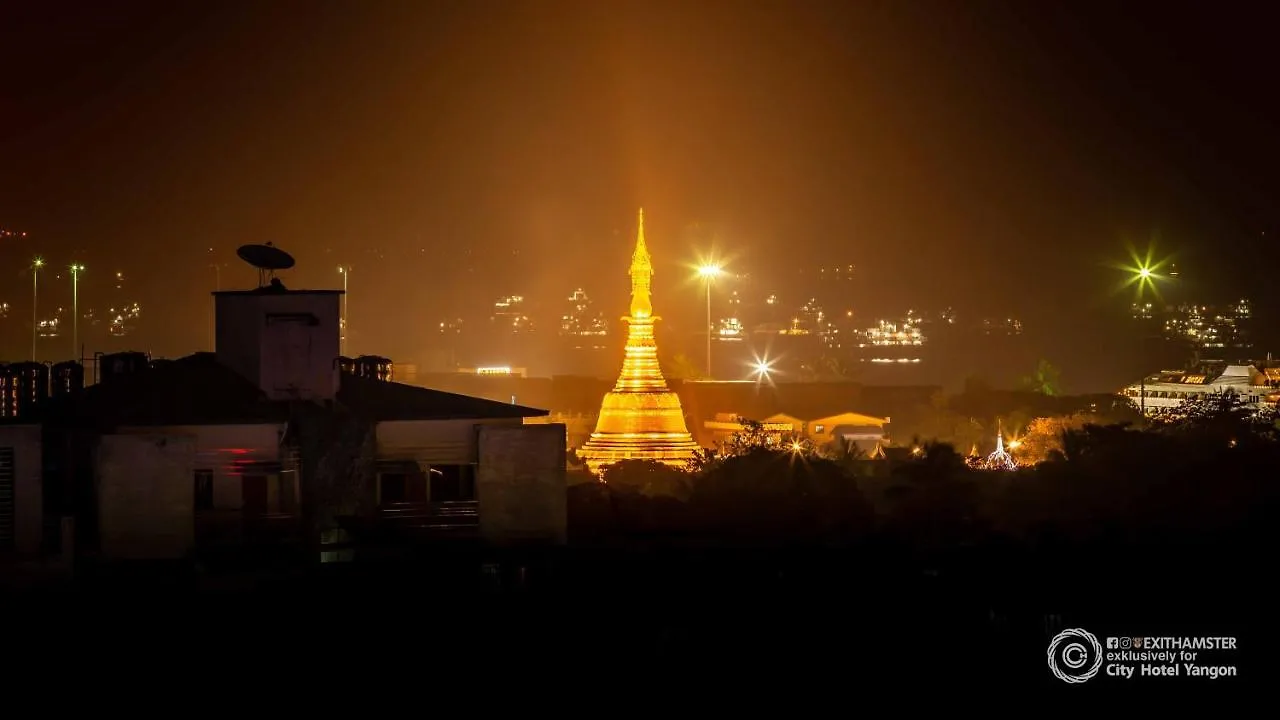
646,477
770,495
1044,379
752,436
1044,436
1223,416
942,424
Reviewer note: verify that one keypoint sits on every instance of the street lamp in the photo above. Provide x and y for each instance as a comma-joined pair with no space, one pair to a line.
35,297
76,269
708,273
342,337
1143,274
761,368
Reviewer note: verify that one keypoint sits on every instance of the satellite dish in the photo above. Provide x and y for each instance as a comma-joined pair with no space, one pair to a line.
267,259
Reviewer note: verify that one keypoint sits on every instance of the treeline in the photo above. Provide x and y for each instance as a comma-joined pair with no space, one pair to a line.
1209,478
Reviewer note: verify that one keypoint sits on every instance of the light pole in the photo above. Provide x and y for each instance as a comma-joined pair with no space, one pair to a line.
709,273
35,298
213,312
76,269
1144,274
346,273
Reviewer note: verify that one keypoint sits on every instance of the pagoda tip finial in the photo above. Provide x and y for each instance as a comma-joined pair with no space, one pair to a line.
640,246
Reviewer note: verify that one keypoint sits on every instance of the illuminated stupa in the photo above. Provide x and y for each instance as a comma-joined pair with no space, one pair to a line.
640,419
1000,459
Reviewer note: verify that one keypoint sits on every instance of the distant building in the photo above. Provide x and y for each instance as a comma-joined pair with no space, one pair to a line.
498,370
864,432
892,341
1165,391
509,315
583,322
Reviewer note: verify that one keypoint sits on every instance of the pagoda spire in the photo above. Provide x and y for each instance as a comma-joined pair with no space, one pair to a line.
1000,459
640,419
641,255
641,271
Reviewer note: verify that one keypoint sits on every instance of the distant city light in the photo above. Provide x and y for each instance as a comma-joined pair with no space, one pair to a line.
762,367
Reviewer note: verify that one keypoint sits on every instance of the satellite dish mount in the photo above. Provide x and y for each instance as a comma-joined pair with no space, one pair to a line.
267,259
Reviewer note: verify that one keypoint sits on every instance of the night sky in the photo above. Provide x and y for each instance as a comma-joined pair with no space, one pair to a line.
989,156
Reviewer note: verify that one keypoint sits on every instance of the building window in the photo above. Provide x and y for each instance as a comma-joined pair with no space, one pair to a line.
819,428
203,490
452,483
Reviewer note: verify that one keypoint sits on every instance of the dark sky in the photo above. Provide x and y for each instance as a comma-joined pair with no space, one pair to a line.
989,156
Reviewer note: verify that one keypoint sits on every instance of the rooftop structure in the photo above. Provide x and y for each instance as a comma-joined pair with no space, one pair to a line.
274,440
640,419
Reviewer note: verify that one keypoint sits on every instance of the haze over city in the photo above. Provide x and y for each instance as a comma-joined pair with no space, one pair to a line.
995,158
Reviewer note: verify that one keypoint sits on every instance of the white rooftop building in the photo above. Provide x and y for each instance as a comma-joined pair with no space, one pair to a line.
1167,389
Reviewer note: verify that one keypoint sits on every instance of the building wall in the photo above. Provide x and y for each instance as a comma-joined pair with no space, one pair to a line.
445,442
286,358
238,334
521,483
226,451
23,494
145,496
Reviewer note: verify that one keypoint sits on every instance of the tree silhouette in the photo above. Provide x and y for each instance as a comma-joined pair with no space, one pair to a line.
1044,379
646,477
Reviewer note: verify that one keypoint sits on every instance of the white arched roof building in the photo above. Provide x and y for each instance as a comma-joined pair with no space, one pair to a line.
1167,389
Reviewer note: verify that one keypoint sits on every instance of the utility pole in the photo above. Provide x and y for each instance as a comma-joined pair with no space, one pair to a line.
76,269
35,301
342,337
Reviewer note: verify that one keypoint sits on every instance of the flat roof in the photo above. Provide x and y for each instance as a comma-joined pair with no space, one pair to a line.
268,290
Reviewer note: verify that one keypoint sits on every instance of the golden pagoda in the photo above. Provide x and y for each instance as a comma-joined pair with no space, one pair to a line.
640,419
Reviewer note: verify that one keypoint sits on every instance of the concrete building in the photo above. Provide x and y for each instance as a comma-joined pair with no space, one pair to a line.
1163,392
267,441
21,493
865,432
